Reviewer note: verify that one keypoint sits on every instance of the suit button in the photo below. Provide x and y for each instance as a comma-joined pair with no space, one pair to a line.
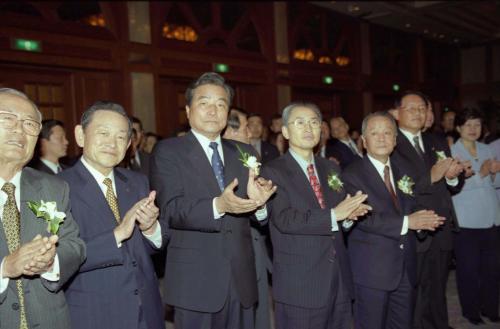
401,246
134,263
136,292
15,306
331,260
333,237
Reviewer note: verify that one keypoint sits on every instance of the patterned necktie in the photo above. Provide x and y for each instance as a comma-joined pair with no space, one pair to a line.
388,184
416,144
12,228
217,165
313,179
111,198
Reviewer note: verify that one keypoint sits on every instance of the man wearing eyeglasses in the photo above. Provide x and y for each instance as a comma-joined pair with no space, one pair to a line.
312,284
434,252
34,264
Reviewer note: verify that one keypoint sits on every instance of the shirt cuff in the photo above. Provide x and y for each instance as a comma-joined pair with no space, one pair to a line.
333,218
404,229
452,182
216,213
54,274
261,214
155,238
4,282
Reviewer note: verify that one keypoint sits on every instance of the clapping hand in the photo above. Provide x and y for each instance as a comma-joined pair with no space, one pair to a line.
147,214
454,169
425,220
351,204
259,189
228,202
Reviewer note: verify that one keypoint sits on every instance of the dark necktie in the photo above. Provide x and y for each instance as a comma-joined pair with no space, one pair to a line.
11,220
313,179
388,185
217,165
416,144
353,149
59,169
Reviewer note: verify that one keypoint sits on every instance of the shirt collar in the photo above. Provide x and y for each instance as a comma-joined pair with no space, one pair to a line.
204,141
16,180
96,174
302,163
410,136
379,166
53,166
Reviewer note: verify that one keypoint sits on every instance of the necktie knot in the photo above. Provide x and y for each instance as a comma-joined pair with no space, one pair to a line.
416,140
213,145
9,188
387,171
107,181
310,169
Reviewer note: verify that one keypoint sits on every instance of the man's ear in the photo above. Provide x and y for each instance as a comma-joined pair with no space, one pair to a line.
187,111
364,141
394,113
284,131
79,135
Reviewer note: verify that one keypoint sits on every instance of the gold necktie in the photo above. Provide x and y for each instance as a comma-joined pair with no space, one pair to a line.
111,198
11,220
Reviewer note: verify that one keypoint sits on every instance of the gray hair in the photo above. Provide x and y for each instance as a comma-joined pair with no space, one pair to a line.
105,106
379,114
287,111
208,78
15,92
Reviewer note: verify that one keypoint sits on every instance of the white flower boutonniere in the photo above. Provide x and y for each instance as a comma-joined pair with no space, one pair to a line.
440,155
48,211
249,161
334,181
405,184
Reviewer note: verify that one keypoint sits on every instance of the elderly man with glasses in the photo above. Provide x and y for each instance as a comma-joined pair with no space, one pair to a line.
35,264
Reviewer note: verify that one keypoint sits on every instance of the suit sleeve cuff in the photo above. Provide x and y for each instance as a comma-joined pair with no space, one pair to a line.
217,215
155,238
452,182
333,218
4,282
404,229
54,274
261,214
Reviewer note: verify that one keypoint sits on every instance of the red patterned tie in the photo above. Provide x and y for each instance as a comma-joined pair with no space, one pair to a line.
313,179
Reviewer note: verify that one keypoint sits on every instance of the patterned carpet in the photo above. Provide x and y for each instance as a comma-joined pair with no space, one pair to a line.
455,313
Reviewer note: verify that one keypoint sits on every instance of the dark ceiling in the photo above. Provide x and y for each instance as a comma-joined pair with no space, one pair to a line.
463,23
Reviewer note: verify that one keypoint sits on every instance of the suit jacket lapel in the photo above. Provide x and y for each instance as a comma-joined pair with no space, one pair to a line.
408,150
92,195
377,183
199,161
233,167
31,190
397,176
332,198
124,193
429,150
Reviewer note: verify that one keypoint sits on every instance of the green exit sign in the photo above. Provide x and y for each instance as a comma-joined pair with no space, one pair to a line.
27,45
221,67
327,80
395,87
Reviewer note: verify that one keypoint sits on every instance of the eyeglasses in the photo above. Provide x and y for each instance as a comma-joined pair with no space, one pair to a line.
415,109
301,123
9,120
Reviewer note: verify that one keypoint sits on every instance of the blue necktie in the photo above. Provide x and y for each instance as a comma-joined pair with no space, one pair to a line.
217,165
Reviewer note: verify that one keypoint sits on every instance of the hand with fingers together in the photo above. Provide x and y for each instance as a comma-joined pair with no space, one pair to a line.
259,189
425,220
348,207
147,214
228,202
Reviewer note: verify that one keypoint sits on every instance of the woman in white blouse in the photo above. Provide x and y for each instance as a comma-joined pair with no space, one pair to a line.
477,245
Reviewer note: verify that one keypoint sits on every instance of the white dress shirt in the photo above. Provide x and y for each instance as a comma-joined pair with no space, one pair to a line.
410,136
155,238
52,275
379,166
260,214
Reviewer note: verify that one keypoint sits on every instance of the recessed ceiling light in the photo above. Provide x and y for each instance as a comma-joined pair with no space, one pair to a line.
353,8
434,35
456,40
426,31
441,36
407,25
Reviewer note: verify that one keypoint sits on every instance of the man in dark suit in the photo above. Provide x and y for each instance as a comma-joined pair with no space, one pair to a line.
342,148
210,268
51,147
382,245
434,252
237,130
267,151
33,268
312,284
116,286
139,160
